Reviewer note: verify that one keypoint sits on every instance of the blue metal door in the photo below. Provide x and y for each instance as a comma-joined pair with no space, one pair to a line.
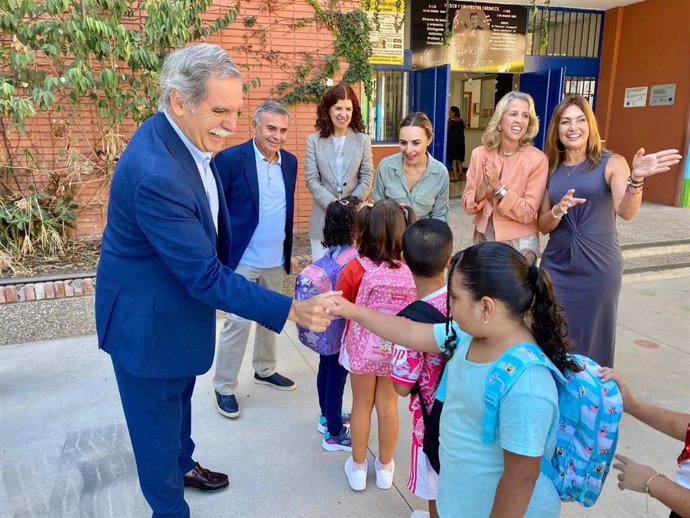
546,88
430,89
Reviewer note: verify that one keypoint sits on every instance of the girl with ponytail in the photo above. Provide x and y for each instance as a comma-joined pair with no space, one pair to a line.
496,300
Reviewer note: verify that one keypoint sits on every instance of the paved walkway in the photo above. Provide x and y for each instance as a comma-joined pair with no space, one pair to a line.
66,453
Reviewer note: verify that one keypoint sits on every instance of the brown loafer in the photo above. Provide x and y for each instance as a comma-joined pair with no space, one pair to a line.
206,480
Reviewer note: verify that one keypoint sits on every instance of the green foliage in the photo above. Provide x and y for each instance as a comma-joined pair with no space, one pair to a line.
351,31
543,28
66,53
63,60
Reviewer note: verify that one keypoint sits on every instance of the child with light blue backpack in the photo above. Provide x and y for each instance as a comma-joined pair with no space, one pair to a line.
499,434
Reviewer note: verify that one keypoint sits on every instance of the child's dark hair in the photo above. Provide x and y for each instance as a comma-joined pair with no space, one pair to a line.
380,230
427,245
497,270
340,226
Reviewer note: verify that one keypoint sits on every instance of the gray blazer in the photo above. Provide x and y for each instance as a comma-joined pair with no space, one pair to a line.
320,174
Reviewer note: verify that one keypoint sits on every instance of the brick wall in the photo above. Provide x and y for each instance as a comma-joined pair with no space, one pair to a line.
270,50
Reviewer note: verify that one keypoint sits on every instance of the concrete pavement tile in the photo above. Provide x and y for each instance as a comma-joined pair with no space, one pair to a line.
63,429
657,310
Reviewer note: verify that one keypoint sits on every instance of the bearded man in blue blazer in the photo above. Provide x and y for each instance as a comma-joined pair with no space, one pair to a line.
165,269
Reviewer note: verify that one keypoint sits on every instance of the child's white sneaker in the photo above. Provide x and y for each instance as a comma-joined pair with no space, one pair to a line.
356,477
384,477
419,514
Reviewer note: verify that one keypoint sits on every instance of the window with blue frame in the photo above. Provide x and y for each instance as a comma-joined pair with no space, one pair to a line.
388,105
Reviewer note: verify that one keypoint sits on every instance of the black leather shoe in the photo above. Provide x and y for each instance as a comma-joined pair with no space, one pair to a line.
227,405
206,480
276,381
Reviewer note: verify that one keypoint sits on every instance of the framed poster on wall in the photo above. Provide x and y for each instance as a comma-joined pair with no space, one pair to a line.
470,36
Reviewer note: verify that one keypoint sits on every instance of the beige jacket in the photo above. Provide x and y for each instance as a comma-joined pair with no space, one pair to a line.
320,173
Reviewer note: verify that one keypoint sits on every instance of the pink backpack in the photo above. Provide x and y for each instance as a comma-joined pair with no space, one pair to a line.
387,290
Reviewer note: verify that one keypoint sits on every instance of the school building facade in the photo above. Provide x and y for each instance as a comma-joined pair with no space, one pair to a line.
629,58
624,58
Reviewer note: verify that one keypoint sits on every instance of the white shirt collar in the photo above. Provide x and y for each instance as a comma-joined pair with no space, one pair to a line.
198,155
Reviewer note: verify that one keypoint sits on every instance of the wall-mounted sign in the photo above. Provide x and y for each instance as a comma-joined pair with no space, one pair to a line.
636,96
662,95
487,37
476,36
428,31
387,42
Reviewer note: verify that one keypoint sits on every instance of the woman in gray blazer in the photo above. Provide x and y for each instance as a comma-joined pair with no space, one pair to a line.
338,162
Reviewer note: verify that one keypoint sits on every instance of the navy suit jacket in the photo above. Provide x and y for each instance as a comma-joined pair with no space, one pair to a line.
163,272
237,170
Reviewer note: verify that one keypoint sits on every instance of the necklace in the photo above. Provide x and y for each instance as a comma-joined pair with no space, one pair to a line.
571,170
511,153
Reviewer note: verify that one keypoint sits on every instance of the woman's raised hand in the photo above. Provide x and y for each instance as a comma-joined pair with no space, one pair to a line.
568,201
491,174
653,163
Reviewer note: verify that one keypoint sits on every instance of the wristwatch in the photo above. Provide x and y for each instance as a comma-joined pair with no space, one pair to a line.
501,192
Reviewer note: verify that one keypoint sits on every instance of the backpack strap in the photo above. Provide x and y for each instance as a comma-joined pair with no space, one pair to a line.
333,266
347,255
504,373
422,311
366,263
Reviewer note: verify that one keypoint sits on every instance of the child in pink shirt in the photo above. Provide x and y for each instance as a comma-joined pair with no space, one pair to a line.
427,247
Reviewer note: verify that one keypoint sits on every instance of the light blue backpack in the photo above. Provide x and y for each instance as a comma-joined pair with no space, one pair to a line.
587,434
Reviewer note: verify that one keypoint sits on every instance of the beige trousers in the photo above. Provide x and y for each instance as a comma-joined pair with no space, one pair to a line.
234,336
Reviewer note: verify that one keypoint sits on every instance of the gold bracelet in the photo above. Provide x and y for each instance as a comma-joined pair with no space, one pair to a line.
557,217
646,486
630,189
646,489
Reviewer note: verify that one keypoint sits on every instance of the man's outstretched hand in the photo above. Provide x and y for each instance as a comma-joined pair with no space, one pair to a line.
311,313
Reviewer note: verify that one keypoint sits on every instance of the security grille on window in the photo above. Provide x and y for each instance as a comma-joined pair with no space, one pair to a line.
584,86
571,33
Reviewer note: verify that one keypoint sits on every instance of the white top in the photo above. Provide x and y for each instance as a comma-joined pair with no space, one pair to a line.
265,250
339,144
683,474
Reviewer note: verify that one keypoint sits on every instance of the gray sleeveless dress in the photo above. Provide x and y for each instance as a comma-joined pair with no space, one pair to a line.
584,259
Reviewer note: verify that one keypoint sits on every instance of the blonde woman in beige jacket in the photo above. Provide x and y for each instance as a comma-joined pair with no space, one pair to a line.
338,160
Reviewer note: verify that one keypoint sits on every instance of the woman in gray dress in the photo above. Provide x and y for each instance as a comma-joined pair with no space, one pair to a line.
588,187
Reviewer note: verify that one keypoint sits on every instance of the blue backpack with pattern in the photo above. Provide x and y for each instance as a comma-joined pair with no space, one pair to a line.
589,413
320,277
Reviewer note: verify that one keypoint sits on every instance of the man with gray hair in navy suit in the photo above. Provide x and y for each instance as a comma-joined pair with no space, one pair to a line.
164,270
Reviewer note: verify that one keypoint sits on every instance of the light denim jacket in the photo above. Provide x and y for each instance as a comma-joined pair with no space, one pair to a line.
428,198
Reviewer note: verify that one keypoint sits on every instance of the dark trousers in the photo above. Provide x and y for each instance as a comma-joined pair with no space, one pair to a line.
330,384
159,419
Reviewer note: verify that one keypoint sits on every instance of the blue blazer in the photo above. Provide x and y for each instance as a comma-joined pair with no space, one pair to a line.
237,170
163,272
